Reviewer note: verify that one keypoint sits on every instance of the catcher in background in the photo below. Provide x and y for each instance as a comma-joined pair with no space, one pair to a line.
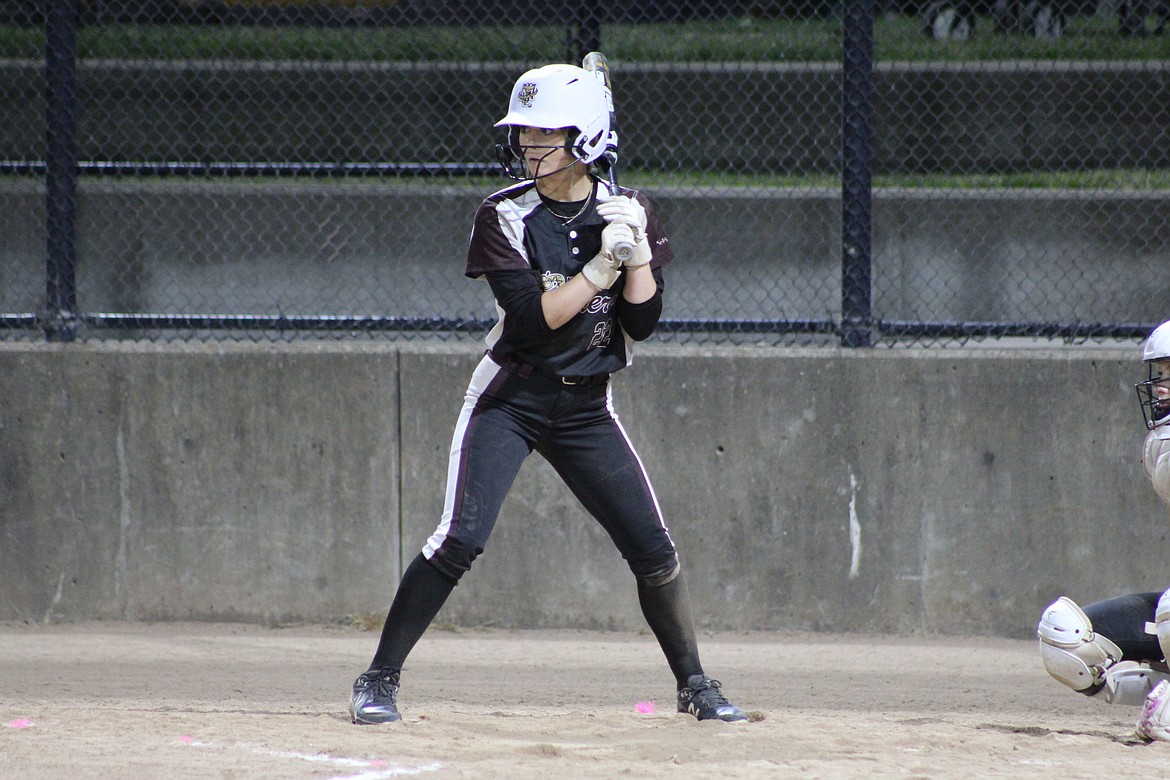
569,314
1117,649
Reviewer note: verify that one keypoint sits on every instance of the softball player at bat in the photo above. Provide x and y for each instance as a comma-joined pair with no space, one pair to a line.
1117,649
569,314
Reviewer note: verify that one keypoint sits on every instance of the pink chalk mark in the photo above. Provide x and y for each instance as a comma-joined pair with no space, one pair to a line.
19,723
378,762
645,707
184,738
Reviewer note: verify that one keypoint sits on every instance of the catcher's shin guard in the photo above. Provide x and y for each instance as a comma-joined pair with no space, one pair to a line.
1088,662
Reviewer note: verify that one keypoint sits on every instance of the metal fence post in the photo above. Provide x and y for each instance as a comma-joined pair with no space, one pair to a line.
60,319
857,115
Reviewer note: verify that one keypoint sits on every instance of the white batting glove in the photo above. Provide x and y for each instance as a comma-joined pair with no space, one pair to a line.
604,269
625,211
620,210
613,234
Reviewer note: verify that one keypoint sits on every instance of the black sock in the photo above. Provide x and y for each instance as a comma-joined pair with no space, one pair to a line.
667,608
420,596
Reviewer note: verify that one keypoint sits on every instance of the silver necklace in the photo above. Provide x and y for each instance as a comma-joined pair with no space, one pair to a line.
567,219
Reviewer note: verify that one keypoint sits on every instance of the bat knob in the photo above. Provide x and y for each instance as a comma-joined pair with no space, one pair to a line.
623,251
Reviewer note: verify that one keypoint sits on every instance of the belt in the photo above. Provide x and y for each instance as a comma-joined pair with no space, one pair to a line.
585,381
525,370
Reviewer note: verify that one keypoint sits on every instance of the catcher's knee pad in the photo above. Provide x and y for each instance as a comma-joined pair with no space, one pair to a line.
662,574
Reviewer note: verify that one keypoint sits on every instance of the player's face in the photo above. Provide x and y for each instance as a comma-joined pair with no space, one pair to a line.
543,150
1162,382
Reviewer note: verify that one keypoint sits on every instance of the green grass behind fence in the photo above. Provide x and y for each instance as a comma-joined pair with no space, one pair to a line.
896,39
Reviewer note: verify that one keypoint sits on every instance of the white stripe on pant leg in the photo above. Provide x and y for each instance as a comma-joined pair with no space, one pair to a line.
641,467
485,373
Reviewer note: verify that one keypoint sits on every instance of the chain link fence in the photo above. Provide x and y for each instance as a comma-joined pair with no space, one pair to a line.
863,173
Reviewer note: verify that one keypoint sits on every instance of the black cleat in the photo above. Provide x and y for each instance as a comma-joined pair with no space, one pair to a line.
703,698
375,697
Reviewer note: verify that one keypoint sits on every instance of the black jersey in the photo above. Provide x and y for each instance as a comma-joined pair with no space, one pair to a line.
524,249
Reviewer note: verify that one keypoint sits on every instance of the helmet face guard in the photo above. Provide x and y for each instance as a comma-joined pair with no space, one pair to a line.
1155,409
1156,354
556,97
510,155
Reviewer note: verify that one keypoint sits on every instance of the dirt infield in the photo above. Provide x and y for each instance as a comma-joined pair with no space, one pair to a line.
113,700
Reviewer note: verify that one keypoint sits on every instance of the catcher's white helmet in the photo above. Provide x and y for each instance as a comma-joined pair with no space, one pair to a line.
554,97
1155,408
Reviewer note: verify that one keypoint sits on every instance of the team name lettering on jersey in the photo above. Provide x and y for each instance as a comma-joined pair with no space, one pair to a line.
601,304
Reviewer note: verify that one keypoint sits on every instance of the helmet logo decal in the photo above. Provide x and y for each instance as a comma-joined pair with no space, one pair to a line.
527,94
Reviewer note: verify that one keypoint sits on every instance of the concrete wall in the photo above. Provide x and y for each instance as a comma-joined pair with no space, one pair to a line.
952,492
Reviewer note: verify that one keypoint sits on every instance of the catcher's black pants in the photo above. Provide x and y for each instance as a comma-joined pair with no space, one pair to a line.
1123,620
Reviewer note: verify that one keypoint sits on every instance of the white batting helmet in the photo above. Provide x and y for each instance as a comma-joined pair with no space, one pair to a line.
556,96
1156,410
